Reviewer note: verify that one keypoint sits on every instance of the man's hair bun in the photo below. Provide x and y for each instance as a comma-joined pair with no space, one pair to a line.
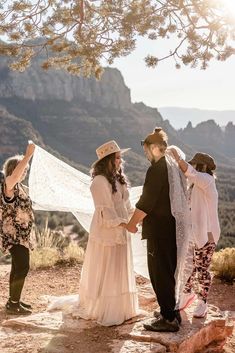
157,137
157,129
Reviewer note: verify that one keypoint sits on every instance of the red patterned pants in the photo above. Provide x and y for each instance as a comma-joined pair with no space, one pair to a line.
200,279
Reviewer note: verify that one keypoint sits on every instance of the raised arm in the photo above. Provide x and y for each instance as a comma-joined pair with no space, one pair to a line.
19,171
202,180
182,163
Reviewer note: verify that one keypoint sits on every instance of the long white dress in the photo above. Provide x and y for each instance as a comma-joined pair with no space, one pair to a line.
107,291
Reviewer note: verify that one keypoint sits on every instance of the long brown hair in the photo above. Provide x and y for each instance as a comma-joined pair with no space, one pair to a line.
103,168
199,167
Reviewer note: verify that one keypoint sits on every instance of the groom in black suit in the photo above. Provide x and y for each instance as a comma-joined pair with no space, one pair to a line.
154,208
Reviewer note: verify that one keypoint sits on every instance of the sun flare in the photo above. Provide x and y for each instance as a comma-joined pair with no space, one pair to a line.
230,5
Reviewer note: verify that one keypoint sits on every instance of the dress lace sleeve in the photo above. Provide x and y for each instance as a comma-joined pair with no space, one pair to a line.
104,205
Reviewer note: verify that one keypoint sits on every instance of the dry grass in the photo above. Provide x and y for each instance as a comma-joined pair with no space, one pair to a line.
223,264
44,258
52,249
73,254
48,238
48,257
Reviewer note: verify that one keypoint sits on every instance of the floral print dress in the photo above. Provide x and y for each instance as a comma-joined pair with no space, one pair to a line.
16,218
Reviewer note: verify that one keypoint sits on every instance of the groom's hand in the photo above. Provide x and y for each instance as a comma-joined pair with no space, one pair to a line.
131,228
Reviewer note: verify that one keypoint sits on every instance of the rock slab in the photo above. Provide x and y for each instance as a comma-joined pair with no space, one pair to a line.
208,334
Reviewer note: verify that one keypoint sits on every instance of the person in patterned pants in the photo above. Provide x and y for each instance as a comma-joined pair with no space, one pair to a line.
200,279
203,204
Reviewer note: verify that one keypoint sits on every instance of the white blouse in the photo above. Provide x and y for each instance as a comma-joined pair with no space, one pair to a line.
204,206
111,209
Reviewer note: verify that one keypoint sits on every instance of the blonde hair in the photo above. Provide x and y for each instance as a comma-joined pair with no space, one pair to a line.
11,163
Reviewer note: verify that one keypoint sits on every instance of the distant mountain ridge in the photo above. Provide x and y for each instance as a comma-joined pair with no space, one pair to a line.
210,137
179,117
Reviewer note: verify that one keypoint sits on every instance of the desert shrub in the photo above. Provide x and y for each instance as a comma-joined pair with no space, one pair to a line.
226,242
72,255
223,264
49,257
77,228
52,249
56,220
44,257
48,238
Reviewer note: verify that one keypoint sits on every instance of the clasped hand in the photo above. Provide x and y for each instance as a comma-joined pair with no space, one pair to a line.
130,228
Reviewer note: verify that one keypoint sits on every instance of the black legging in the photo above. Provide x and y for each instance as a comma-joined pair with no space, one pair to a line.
162,266
19,270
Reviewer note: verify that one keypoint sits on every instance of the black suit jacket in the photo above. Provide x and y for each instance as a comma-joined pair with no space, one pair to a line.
155,202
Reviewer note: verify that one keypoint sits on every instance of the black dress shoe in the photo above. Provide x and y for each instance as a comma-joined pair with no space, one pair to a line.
17,309
158,315
163,325
27,306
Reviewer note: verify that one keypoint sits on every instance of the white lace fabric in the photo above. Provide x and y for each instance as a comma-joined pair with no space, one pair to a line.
180,210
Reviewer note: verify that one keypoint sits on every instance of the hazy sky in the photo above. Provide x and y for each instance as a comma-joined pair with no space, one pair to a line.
213,88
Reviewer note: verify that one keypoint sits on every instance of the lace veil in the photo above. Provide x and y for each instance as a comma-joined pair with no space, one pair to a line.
180,210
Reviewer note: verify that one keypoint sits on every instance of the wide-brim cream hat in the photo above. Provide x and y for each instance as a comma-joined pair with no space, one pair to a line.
106,149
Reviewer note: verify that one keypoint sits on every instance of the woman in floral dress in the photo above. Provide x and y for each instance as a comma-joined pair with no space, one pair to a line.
16,221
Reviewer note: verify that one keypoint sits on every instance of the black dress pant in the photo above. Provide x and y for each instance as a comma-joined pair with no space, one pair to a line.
19,270
162,260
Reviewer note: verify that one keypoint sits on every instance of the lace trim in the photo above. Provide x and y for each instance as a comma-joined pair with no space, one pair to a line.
181,212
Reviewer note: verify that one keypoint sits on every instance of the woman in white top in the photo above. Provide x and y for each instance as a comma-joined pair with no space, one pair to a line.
107,288
203,201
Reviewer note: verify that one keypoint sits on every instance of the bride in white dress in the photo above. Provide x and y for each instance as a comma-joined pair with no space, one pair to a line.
107,291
